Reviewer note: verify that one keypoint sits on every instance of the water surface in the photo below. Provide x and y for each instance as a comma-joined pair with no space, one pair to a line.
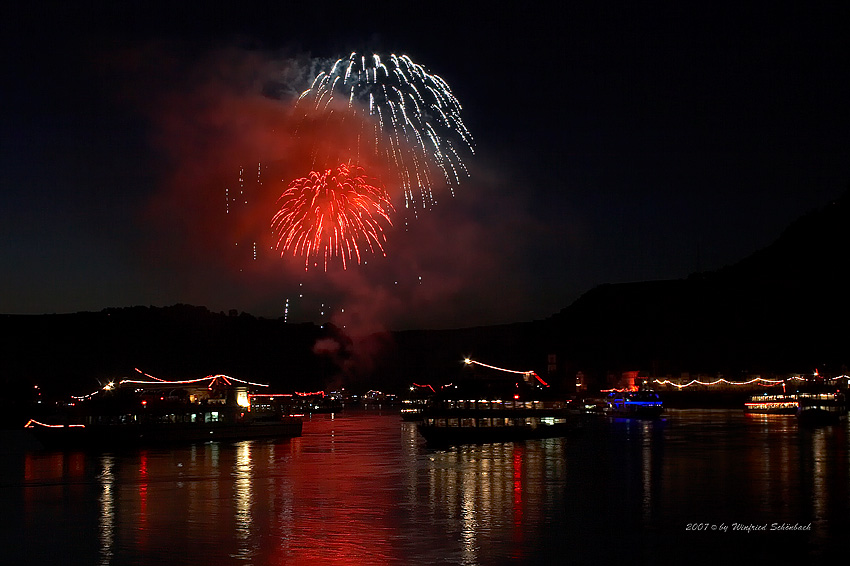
361,488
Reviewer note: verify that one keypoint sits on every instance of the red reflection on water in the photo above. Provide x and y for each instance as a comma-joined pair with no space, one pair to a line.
50,471
143,499
143,485
354,530
518,457
53,466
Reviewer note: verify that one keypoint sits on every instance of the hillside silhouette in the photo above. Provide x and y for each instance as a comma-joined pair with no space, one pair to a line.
783,309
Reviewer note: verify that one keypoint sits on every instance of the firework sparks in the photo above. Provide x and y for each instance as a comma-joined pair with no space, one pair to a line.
332,214
410,118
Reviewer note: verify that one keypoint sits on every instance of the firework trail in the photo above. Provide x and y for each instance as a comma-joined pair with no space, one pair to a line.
406,118
329,214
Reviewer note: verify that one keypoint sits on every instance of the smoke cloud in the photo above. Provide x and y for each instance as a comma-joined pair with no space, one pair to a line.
230,142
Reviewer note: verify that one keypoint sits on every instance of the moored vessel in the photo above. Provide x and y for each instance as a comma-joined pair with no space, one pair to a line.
155,411
821,407
814,400
490,409
772,404
640,404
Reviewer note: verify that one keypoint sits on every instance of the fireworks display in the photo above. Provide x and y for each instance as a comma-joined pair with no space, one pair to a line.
390,117
332,214
406,118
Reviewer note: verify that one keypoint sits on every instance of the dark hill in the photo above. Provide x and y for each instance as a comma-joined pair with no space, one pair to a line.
783,309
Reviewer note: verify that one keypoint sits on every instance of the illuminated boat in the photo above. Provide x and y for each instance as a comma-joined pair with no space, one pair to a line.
813,406
640,404
821,407
480,410
772,404
503,424
137,412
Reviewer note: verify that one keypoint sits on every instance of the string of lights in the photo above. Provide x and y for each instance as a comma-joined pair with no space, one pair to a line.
469,361
32,423
768,382
158,381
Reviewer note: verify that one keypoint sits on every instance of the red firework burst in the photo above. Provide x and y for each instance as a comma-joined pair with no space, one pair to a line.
332,213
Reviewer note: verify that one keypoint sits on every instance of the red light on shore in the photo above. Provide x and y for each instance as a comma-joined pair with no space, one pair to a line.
516,396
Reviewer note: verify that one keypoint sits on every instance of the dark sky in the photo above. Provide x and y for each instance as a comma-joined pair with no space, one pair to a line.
614,142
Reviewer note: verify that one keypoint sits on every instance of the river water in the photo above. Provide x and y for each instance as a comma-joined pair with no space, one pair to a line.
360,487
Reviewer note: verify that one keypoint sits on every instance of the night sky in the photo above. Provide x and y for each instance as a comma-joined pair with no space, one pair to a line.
614,142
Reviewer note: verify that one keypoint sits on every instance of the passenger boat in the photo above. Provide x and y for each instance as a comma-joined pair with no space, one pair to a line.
484,410
811,406
640,404
505,424
141,412
772,404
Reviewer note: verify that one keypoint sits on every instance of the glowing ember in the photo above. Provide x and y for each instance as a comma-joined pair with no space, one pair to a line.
332,214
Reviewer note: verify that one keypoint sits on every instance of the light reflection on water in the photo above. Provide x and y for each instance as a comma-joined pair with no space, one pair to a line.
107,508
243,498
361,488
